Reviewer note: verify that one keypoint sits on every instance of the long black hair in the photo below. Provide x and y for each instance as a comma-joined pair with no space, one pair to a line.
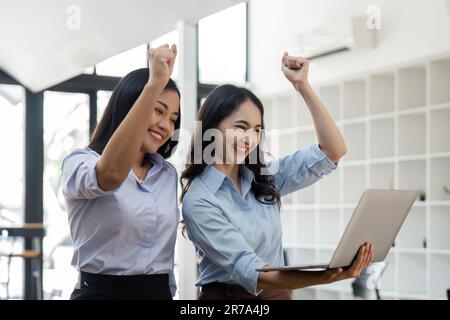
219,104
122,99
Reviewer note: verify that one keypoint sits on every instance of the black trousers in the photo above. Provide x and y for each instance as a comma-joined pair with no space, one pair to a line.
111,287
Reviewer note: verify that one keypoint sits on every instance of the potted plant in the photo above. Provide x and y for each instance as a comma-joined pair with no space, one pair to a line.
422,195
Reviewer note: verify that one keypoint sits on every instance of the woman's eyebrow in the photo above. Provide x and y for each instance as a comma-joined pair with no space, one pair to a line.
163,104
248,124
166,107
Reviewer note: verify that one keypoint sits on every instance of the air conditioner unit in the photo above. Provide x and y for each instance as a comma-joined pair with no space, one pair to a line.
324,41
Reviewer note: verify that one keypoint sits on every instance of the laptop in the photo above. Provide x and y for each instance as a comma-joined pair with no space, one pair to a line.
376,219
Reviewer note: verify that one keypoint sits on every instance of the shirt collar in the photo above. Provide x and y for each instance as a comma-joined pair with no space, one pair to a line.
214,178
156,159
247,178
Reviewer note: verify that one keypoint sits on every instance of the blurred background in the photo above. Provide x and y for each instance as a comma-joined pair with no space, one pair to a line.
381,67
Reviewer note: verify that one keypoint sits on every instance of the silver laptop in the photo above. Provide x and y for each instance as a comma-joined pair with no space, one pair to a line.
376,219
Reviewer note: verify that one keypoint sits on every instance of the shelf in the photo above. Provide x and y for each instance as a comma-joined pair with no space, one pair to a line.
269,113
445,252
440,155
353,163
354,121
289,225
439,227
411,134
306,226
306,195
412,175
354,183
288,200
355,138
298,206
382,176
420,251
386,295
439,203
382,160
346,219
413,231
412,87
413,297
285,112
381,138
296,245
325,255
412,111
286,145
330,97
440,178
304,116
324,294
440,81
440,130
354,99
347,296
439,276
328,227
411,157
382,93
412,264
350,205
305,294
311,206
300,256
343,287
329,188
305,139
387,280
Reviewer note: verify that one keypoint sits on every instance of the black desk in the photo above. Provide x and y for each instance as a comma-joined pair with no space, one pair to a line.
34,232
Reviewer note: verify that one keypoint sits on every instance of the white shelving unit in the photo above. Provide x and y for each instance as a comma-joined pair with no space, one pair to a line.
412,87
396,123
381,142
412,129
382,93
354,98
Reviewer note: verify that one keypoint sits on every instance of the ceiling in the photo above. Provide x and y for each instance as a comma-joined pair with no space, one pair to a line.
41,44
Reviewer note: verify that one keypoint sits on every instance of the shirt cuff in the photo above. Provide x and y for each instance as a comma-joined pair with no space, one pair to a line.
321,165
93,187
245,273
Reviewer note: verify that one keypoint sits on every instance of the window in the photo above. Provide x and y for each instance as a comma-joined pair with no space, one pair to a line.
123,63
102,101
222,46
12,98
66,127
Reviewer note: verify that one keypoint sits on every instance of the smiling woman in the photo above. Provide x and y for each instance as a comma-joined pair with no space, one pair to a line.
120,103
121,192
231,202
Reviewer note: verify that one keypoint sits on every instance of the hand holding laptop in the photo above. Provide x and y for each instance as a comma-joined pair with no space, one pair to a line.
362,260
376,220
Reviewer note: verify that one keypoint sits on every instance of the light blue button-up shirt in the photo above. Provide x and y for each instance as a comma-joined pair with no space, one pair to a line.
233,232
130,230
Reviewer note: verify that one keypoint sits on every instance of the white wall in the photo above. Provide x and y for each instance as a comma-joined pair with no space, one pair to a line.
410,29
